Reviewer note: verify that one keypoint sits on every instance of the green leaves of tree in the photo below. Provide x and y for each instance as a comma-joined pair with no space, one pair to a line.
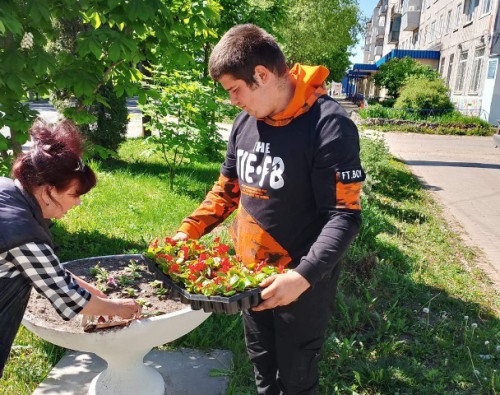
394,74
323,36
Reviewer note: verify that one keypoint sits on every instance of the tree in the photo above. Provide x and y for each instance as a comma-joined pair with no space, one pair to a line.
116,37
177,107
394,74
323,36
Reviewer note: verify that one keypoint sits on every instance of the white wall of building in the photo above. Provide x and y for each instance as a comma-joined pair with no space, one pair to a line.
466,34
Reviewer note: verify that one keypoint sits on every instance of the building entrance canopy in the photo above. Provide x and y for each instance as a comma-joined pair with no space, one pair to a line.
361,71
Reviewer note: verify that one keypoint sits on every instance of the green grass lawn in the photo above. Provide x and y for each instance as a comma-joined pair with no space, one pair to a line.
414,316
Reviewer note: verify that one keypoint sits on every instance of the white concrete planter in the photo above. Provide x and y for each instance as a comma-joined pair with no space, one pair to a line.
124,349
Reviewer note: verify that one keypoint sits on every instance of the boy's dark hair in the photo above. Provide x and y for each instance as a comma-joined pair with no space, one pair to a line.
241,49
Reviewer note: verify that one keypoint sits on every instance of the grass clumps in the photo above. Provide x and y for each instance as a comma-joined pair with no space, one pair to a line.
414,314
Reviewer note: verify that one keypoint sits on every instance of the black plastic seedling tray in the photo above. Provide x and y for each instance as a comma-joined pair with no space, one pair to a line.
210,304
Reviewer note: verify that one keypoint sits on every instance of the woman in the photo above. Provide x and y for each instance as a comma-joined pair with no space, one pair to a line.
49,180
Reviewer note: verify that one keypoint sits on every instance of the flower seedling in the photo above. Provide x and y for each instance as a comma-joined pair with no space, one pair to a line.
99,273
129,292
208,269
125,280
134,268
144,303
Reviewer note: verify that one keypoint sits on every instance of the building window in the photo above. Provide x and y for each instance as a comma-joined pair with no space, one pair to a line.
458,16
441,66
462,71
469,10
431,31
477,69
450,69
448,22
486,7
439,27
492,67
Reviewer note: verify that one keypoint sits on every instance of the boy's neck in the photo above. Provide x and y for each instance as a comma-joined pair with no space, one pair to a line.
285,92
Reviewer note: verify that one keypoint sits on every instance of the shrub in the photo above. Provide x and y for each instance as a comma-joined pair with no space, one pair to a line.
110,128
395,73
379,111
423,95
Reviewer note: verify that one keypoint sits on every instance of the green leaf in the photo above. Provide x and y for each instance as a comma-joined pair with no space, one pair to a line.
95,20
13,82
134,9
13,25
96,48
114,51
113,3
22,136
4,143
39,11
2,27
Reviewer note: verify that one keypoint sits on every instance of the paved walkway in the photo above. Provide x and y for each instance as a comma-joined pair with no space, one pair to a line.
134,127
463,173
185,372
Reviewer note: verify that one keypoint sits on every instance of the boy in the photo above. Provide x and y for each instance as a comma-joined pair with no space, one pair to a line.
292,170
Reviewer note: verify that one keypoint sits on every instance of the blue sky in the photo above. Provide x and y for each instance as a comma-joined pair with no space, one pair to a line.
366,7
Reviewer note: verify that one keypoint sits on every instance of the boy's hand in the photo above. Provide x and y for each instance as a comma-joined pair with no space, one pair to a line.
281,290
180,236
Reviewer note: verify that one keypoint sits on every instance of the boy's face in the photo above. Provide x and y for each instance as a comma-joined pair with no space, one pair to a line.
256,100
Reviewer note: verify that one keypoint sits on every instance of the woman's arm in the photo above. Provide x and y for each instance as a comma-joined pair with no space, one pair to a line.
69,295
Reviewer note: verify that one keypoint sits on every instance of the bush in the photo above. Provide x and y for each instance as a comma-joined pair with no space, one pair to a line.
395,73
422,94
379,111
110,128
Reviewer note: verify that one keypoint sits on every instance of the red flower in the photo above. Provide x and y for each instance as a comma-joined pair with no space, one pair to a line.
170,241
185,252
225,265
221,249
174,268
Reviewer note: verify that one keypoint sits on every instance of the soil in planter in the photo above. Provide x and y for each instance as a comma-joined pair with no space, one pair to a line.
43,314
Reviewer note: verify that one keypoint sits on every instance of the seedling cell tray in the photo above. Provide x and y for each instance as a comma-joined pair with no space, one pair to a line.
210,304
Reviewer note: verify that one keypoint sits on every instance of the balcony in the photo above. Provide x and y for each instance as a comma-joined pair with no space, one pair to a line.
378,51
383,9
396,9
410,20
380,31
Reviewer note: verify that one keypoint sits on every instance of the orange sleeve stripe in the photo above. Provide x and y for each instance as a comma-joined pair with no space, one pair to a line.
219,203
349,196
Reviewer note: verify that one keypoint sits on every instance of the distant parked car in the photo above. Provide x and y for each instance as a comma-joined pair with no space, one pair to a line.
496,136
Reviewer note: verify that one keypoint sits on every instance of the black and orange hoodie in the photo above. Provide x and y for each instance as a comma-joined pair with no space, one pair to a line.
295,180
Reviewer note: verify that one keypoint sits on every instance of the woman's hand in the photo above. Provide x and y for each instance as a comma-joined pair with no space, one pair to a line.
127,308
124,308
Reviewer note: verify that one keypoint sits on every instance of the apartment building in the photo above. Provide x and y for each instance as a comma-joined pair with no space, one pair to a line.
459,38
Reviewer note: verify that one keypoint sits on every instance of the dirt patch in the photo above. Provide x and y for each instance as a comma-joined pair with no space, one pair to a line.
133,279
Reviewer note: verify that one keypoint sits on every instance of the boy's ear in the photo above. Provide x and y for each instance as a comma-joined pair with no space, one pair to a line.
261,74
